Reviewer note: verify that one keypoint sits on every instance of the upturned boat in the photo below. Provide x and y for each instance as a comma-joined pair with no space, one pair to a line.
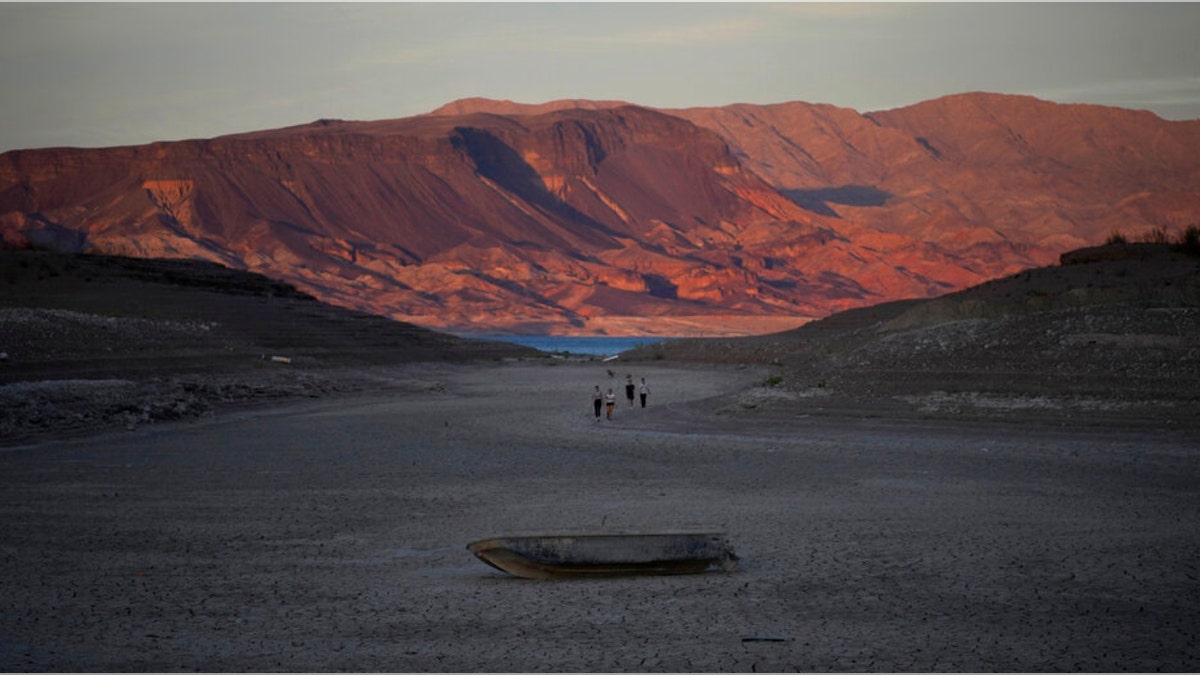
590,555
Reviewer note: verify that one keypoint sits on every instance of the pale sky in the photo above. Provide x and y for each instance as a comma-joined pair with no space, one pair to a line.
101,74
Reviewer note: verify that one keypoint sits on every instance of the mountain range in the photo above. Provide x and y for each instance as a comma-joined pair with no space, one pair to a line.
593,217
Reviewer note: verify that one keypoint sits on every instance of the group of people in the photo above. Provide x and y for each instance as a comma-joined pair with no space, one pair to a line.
608,400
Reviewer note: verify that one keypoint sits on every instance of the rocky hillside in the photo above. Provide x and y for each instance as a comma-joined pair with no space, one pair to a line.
1111,334
590,217
987,177
93,341
983,176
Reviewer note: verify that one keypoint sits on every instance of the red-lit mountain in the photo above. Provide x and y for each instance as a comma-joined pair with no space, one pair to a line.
586,217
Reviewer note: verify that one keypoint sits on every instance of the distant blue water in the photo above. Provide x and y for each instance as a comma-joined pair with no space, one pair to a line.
594,346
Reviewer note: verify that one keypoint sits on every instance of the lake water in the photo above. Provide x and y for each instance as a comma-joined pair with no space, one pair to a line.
593,346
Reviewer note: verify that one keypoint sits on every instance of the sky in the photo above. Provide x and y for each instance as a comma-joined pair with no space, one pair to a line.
98,74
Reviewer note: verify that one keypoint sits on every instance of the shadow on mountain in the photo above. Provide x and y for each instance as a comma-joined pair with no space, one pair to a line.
499,163
818,200
660,286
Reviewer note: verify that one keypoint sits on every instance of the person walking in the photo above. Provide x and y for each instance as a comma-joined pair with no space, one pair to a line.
644,391
629,387
610,402
597,401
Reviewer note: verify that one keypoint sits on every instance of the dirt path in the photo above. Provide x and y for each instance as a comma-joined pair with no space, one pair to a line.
331,536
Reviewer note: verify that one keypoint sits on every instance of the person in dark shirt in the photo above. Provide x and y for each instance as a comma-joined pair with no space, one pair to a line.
597,401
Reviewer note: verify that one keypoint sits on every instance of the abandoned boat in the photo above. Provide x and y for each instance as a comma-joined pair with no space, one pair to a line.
574,555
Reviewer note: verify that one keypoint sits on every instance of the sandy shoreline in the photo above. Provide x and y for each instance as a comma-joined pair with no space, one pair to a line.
330,535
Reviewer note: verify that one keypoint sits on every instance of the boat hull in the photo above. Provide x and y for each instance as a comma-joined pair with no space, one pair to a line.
595,555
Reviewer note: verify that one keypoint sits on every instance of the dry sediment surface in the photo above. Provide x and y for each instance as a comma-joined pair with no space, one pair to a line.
330,535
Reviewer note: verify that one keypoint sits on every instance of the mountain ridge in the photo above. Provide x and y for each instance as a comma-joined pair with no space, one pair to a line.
587,217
